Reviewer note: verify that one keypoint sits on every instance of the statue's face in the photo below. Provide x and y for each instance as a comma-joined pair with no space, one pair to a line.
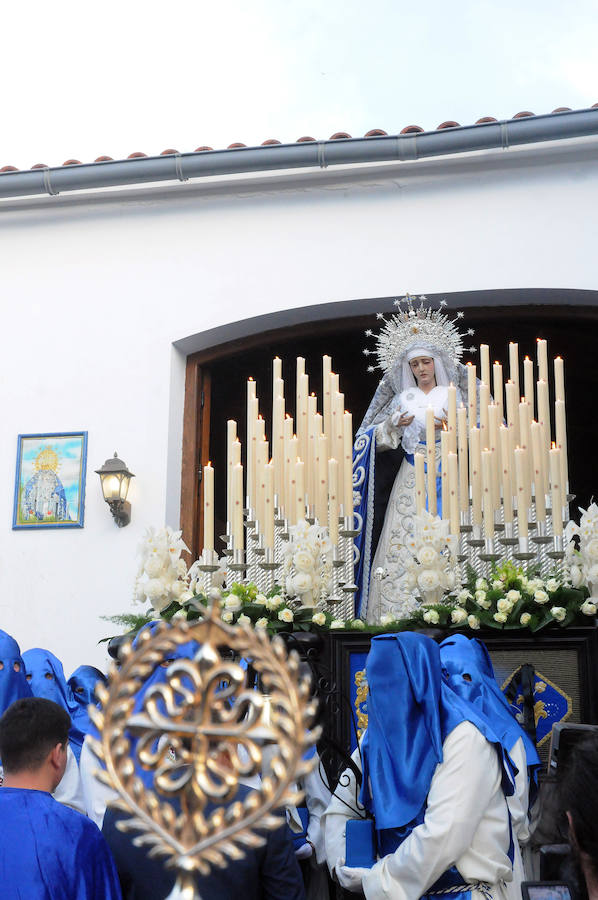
423,371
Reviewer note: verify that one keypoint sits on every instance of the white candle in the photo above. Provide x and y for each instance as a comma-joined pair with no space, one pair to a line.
485,364
287,493
521,475
453,490
420,483
463,459
487,490
484,401
301,418
498,388
514,366
472,399
336,447
512,395
278,447
559,379
252,417
431,460
231,437
237,507
542,348
276,369
333,500
561,442
292,459
538,459
268,526
208,507
326,372
348,464
261,458
452,418
322,489
299,490
525,435
507,487
494,447
556,491
475,464
528,383
544,410
444,495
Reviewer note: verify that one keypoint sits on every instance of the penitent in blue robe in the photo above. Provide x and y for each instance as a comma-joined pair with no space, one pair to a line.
51,852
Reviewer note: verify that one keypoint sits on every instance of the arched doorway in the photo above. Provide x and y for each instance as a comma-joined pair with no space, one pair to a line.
216,377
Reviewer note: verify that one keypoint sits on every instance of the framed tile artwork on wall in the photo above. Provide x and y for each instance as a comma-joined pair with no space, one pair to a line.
50,480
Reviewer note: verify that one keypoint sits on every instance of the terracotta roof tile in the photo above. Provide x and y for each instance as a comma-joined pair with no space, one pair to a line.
338,135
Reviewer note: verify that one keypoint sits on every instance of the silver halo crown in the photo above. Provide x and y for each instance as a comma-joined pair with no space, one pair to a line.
416,325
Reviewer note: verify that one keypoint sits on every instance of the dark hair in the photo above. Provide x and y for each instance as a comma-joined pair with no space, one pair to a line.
29,729
579,796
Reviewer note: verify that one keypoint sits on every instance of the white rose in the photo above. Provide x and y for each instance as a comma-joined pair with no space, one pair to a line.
262,623
576,576
273,602
427,556
428,580
513,596
473,622
524,619
319,618
286,615
154,566
588,608
387,618
233,603
481,584
337,623
464,596
261,600
504,605
302,582
358,624
227,617
480,595
243,620
497,584
431,617
154,589
500,617
458,616
552,585
591,549
303,561
177,588
558,613
542,597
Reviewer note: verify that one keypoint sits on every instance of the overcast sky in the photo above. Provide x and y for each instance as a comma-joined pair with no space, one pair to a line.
84,79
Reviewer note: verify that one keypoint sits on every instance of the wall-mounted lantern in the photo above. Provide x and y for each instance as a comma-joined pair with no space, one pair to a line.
115,479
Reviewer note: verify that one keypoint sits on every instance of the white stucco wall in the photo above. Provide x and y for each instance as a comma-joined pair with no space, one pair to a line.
97,288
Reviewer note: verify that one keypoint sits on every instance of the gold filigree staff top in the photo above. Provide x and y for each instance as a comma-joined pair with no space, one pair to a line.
198,734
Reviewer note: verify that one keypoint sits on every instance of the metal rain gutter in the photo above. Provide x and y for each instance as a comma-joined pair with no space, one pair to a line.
317,154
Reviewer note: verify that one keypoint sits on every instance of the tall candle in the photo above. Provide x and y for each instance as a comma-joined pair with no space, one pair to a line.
338,408
494,447
472,400
261,458
333,500
497,382
322,486
348,464
268,526
555,490
278,446
487,489
444,446
326,372
521,475
453,490
475,464
231,437
559,379
463,459
452,418
542,348
431,460
288,436
512,395
420,483
514,366
528,383
485,364
299,490
544,410
561,441
252,413
301,418
507,487
208,507
538,460
237,506
312,452
484,401
524,433
276,368
292,459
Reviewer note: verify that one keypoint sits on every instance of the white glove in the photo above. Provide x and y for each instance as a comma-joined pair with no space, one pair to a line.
350,878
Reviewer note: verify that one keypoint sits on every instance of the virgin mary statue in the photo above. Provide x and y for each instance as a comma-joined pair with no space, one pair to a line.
419,350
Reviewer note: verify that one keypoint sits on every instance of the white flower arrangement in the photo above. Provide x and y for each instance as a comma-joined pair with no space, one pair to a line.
307,566
432,569
582,563
162,576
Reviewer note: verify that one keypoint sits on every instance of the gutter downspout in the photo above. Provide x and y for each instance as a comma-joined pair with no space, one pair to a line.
348,151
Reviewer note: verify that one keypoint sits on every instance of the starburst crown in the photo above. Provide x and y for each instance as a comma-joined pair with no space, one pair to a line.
416,324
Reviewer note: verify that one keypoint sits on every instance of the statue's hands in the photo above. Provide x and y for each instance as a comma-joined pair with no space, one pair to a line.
401,420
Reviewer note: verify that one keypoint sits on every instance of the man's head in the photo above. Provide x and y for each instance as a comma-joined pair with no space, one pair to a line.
33,743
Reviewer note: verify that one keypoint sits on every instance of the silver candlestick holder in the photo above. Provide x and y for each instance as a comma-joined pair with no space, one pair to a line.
237,562
227,539
268,566
489,556
208,564
522,554
542,540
